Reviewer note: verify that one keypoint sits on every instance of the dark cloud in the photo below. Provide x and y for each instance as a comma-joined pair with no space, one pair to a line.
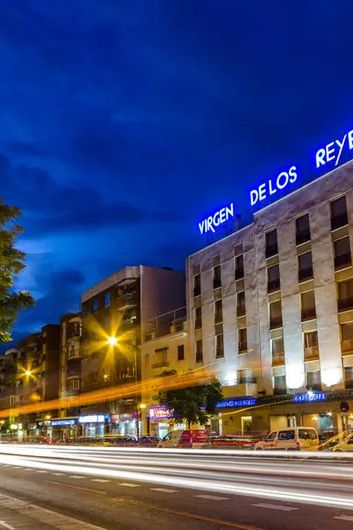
124,122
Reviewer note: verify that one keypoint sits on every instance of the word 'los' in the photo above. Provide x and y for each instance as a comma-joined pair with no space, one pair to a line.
221,216
333,150
271,186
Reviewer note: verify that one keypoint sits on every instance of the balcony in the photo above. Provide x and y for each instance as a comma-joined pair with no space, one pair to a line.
239,274
347,346
279,391
243,389
273,285
271,250
278,359
339,220
127,300
198,323
344,304
247,380
276,322
302,237
242,347
308,313
311,354
160,364
305,274
342,261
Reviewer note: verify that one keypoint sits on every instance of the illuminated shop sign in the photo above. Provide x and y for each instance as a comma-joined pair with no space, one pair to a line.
160,413
327,156
236,402
92,418
308,397
62,423
210,223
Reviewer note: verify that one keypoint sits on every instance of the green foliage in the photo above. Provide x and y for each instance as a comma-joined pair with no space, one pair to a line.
11,264
193,404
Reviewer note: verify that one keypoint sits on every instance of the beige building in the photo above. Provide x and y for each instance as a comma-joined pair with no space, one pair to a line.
271,310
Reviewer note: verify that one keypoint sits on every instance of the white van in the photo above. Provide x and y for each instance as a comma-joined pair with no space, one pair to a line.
293,438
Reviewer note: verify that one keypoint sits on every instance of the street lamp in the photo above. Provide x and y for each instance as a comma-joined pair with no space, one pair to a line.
28,373
112,341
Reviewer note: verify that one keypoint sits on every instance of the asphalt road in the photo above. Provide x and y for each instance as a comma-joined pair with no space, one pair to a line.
45,487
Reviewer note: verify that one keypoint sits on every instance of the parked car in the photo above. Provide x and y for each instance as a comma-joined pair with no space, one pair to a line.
148,441
344,445
233,441
293,438
186,438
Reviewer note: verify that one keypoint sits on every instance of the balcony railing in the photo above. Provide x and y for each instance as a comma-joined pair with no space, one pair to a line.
217,282
311,353
271,250
279,391
239,273
347,346
273,285
246,380
219,352
344,304
309,313
160,364
198,323
278,359
127,300
339,220
276,322
302,237
343,260
305,274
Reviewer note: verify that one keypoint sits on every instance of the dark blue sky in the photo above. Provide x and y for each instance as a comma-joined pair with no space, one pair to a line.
124,122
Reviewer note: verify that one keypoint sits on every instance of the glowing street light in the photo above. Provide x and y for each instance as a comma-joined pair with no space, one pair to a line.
112,341
28,373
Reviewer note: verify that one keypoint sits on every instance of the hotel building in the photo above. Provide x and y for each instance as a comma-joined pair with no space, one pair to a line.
271,311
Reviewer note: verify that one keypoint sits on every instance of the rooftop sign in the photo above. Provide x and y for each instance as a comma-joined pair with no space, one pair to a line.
308,397
236,402
332,154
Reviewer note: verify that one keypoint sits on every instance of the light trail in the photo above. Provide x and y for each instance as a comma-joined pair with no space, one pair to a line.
227,472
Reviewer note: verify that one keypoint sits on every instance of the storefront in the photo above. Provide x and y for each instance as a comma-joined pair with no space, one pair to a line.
94,425
124,424
160,421
63,429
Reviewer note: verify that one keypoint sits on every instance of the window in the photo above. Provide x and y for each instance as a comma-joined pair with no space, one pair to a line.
74,385
217,280
348,376
181,352
107,299
218,314
271,436
279,384
311,345
307,434
313,380
197,284
345,295
73,350
342,251
219,346
160,358
239,267
339,213
308,305
275,315
241,310
273,279
242,340
305,266
198,318
199,351
286,435
95,306
347,337
271,243
302,229
245,377
277,348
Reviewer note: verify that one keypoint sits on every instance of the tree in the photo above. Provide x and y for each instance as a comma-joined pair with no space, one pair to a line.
11,264
193,404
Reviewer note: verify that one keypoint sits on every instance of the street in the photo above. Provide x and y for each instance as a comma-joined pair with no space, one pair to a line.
126,488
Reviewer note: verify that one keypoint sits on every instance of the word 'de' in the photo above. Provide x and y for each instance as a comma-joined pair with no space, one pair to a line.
213,221
271,186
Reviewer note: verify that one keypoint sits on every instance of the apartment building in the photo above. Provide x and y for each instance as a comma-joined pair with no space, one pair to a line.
114,315
164,351
271,311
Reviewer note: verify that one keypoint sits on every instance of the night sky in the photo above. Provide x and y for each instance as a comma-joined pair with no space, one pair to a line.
123,123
